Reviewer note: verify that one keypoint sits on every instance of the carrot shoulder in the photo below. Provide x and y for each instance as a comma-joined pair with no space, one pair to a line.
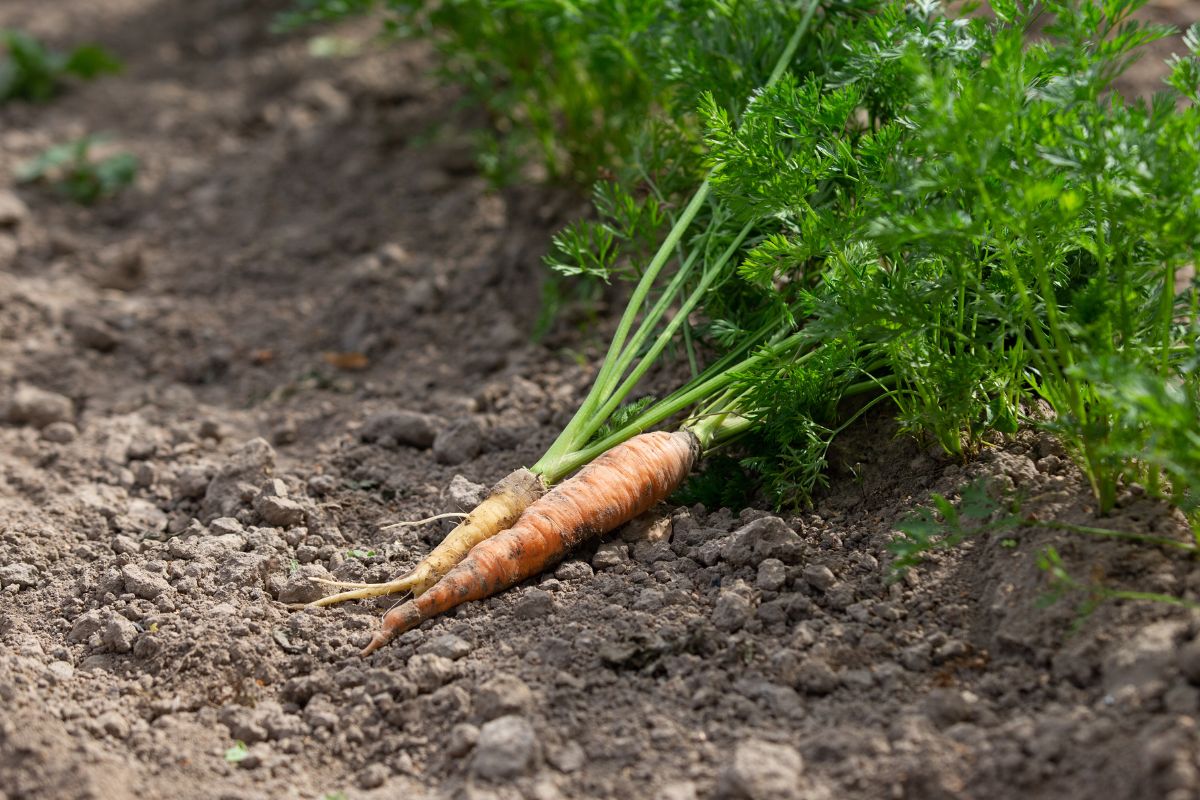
613,489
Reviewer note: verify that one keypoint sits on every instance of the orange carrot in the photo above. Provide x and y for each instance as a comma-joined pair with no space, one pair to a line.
613,489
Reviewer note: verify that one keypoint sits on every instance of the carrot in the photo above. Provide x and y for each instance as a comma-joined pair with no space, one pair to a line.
511,496
613,489
658,309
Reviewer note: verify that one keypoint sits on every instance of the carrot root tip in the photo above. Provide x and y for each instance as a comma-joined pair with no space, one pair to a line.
377,641
364,591
400,619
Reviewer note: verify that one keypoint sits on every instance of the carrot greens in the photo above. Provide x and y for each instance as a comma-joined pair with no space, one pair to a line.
977,228
831,207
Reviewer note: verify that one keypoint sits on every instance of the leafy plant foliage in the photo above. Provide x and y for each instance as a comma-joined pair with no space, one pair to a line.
993,227
31,71
951,215
74,173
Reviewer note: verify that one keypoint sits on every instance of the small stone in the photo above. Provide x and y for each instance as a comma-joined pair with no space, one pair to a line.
85,626
322,713
142,517
650,527
300,586
393,428
211,429
373,776
815,676
142,583
249,466
192,481
459,441
858,680
772,575
781,699
946,707
61,670
533,604
281,725
13,210
819,577
1189,661
279,512
761,770
222,526
258,755
284,432
9,247
917,657
144,444
463,495
118,634
447,646
1020,468
1142,662
507,747
244,569
774,612
462,738
123,265
144,473
20,574
60,432
322,484
37,407
93,333
610,554
1050,465
786,665
677,790
888,612
708,553
430,672
108,501
858,612
568,758
766,537
573,570
325,98
113,724
110,582
652,552
950,650
1049,445
649,600
731,612
244,724
502,695
1182,699
194,548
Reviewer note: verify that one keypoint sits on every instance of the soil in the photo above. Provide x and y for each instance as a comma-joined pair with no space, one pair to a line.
308,319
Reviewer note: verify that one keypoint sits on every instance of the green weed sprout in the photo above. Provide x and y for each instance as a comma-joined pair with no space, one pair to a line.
74,173
31,71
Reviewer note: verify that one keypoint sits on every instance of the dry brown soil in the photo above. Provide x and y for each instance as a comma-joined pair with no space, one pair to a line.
188,442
